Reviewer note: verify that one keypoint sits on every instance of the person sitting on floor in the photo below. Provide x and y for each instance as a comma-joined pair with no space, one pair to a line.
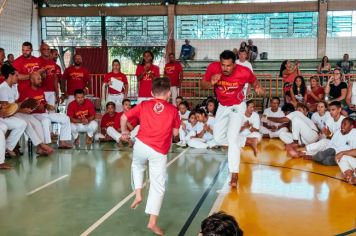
220,224
179,100
211,107
271,129
132,125
186,131
347,163
183,111
82,114
107,121
321,115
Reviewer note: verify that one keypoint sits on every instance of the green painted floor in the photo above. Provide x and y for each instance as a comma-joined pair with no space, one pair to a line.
88,183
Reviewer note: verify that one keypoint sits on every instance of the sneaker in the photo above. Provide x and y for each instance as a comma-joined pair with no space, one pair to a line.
181,144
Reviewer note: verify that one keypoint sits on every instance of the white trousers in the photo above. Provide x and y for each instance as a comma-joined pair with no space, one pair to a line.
2,147
347,163
17,127
228,122
157,162
116,135
175,93
46,120
117,99
141,99
3,127
185,136
50,98
248,134
201,143
33,129
264,130
313,148
90,129
301,132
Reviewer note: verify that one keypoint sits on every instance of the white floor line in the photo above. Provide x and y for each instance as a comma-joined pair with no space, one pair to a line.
122,202
46,185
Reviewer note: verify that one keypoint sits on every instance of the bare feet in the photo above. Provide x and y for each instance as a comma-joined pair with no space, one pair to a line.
46,148
64,145
155,229
89,140
120,144
291,150
11,154
136,202
77,141
252,142
234,179
130,143
5,166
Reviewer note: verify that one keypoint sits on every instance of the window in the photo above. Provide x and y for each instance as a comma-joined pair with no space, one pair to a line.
341,23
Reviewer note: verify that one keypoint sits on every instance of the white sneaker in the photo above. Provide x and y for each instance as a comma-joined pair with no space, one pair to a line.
181,144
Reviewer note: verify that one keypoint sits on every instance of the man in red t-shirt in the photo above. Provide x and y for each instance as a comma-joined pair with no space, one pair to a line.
26,64
76,77
132,125
146,72
50,79
2,58
35,91
107,121
158,121
82,114
228,80
109,81
174,71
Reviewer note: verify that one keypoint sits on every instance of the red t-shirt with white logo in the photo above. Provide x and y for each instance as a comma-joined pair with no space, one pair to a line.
107,120
77,78
229,89
173,70
157,119
79,111
145,84
25,66
37,94
48,81
118,76
133,121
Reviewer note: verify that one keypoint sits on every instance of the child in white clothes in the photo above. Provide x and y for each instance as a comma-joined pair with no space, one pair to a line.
183,111
251,123
189,130
321,115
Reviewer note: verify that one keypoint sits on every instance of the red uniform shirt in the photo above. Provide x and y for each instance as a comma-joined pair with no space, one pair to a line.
118,76
78,111
145,84
173,70
48,81
157,120
107,120
37,94
2,78
25,66
77,78
229,89
133,121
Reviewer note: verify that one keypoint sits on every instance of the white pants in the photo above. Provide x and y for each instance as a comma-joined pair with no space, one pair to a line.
248,134
301,132
141,99
117,99
347,163
33,129
17,127
313,148
2,147
3,127
50,98
264,130
185,136
90,129
175,93
228,122
116,135
201,143
142,154
46,120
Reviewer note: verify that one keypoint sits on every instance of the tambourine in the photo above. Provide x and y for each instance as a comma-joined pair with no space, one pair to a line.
9,109
29,103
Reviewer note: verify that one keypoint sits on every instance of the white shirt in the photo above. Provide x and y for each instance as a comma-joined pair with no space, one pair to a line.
184,116
341,142
334,126
306,120
8,94
269,113
208,136
245,64
254,120
198,127
320,121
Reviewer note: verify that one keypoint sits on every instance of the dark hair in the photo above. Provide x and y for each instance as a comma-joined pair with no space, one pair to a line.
161,85
228,54
191,114
303,87
322,61
2,50
185,103
211,100
78,91
250,102
7,69
276,98
302,105
115,61
179,97
282,68
27,44
325,103
53,50
220,224
242,50
288,107
8,55
110,104
349,120
243,42
201,111
335,103
143,59
126,100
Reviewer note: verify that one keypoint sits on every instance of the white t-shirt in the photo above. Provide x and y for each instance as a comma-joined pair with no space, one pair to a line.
269,113
320,121
254,120
341,142
334,125
198,127
245,64
208,136
184,116
8,94
306,120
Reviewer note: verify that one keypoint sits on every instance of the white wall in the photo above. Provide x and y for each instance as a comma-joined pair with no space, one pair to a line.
337,47
15,26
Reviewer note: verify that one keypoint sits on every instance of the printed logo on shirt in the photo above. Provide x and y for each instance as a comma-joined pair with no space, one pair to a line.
170,69
50,69
32,67
77,75
227,87
82,114
111,123
158,108
147,76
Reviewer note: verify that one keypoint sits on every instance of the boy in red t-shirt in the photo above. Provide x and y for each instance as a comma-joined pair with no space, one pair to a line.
174,70
132,125
152,145
107,121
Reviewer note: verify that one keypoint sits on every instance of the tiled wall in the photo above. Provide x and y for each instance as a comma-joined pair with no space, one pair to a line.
15,26
337,47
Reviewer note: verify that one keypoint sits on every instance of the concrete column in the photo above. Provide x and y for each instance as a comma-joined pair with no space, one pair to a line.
322,29
170,33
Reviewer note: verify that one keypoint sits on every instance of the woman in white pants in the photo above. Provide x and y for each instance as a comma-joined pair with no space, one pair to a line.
205,138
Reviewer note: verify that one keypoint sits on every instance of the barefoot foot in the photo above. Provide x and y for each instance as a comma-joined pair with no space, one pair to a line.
155,229
136,202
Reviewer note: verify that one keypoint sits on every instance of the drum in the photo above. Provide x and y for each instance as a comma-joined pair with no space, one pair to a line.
9,109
